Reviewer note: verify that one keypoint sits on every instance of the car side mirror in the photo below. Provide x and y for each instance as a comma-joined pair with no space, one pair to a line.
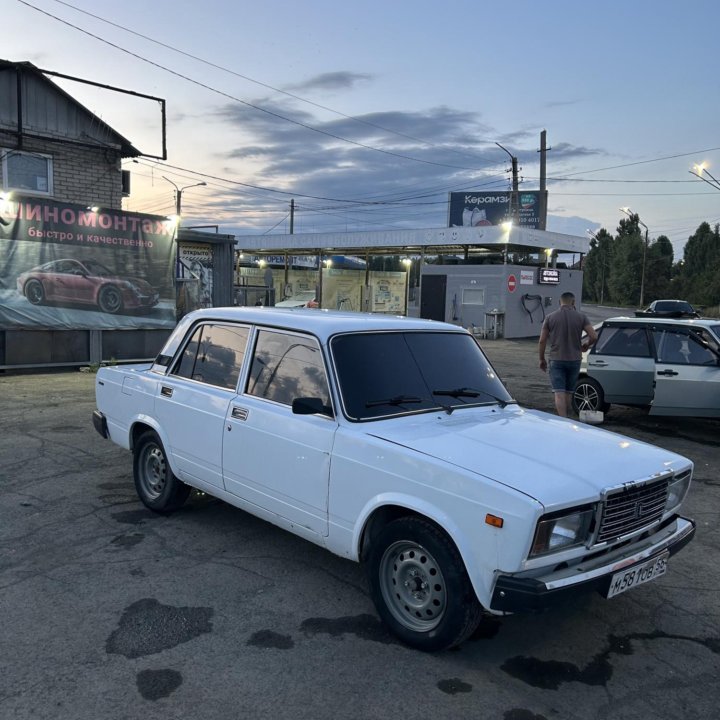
310,406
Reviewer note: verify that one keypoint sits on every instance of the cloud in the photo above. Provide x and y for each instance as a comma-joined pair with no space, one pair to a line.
571,225
395,172
561,103
340,80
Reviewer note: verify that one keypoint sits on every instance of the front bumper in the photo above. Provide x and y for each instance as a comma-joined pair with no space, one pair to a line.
521,593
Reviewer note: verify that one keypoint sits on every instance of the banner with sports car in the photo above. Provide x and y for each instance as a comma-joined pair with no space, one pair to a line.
67,266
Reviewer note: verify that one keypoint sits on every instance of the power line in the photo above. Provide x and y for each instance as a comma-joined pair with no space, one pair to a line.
238,100
263,84
645,162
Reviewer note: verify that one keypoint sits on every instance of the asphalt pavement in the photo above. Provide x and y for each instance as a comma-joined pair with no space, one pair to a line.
111,612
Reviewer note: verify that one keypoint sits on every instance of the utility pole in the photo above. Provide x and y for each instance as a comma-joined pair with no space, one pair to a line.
543,178
514,207
292,215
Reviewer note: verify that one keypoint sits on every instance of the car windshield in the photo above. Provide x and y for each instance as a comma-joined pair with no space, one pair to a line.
394,373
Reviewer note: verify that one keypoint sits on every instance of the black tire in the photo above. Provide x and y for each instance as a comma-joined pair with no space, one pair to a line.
589,395
110,299
420,587
156,485
35,292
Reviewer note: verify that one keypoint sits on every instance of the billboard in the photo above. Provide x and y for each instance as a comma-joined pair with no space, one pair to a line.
68,267
475,209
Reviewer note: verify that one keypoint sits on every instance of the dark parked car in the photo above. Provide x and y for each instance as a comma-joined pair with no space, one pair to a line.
668,309
86,283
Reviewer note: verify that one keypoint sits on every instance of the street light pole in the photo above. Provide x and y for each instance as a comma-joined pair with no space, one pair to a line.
698,171
635,217
178,194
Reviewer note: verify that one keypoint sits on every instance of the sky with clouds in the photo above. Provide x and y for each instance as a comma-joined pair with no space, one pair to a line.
368,114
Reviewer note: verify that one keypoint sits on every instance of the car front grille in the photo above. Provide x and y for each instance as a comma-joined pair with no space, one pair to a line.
631,509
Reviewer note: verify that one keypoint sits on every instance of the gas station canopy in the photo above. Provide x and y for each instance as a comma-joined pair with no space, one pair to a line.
427,241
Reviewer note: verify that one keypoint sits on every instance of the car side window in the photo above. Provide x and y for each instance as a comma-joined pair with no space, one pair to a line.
679,346
214,355
626,341
285,367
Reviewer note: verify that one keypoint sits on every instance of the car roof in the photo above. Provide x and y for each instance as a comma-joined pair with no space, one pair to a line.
690,322
322,323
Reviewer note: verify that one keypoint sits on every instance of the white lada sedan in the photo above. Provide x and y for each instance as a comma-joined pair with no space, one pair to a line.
392,441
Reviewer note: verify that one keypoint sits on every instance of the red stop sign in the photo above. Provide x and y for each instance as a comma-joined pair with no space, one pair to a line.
512,283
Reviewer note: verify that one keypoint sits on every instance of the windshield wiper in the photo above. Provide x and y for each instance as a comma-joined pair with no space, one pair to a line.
458,392
397,400
470,393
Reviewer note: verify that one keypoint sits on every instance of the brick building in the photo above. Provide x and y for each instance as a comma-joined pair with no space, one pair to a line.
52,146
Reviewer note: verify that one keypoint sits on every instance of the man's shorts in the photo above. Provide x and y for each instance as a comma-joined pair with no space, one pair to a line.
564,375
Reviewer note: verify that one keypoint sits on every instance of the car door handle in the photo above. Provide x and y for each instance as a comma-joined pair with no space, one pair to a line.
667,373
239,413
598,363
166,391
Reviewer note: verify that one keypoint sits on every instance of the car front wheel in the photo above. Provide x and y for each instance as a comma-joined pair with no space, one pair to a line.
155,483
34,292
589,395
420,587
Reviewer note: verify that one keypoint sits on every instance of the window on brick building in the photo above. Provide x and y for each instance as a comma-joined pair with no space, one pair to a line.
26,172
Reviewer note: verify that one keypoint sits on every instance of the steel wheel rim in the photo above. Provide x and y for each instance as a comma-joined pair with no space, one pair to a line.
413,586
586,397
153,471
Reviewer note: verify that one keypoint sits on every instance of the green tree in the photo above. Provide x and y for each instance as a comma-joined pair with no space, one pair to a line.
658,269
698,272
597,267
626,268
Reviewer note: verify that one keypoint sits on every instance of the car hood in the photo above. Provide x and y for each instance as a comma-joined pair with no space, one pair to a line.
551,459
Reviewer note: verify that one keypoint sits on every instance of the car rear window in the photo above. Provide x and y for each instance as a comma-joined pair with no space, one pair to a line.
627,341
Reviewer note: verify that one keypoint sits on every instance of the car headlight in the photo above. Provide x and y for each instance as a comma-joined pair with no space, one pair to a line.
677,489
559,531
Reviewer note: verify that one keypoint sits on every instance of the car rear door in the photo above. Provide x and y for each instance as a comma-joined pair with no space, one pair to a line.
687,377
194,396
272,457
622,362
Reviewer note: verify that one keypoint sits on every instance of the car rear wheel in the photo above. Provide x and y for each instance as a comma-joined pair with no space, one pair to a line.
589,395
155,483
34,292
420,587
110,299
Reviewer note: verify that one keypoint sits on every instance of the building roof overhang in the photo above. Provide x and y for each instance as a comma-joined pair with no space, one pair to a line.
489,238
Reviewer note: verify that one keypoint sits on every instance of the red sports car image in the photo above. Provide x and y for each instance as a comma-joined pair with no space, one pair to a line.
86,283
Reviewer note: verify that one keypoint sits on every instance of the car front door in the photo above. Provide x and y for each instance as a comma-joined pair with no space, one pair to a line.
622,362
687,377
272,457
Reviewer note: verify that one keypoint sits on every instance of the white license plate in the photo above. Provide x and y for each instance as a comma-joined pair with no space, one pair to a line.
638,574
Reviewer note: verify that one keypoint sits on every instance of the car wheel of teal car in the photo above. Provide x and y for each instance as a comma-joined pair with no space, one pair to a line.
155,483
589,395
420,587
